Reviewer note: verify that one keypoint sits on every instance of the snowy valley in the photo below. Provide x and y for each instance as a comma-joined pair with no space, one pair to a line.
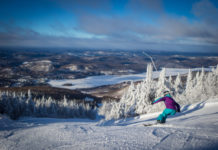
117,125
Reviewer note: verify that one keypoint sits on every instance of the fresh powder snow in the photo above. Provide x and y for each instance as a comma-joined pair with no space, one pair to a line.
196,127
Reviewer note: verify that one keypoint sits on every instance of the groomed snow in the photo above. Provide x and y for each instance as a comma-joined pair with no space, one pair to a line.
95,81
196,127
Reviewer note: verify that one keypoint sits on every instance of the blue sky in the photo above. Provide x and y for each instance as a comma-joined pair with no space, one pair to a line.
175,25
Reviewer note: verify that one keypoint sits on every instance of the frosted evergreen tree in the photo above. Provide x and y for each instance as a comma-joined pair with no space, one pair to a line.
201,83
74,109
161,84
14,95
189,83
199,91
106,110
202,73
146,93
37,107
149,74
197,77
178,85
42,107
124,107
210,84
136,100
128,102
217,69
189,87
16,105
29,94
48,104
170,80
53,108
29,104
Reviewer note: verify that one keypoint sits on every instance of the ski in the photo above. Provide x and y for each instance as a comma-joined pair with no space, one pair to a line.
152,124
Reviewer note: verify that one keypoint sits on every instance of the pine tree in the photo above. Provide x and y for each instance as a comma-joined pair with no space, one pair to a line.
48,105
170,80
216,71
178,85
149,73
189,83
136,100
161,84
198,91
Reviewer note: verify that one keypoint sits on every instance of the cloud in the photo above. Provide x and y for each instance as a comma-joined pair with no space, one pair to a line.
145,6
33,39
168,28
112,25
206,11
202,30
98,26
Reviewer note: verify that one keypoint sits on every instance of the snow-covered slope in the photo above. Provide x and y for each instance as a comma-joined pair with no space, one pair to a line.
196,127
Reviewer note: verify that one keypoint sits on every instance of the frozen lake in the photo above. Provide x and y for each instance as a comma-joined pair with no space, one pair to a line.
95,81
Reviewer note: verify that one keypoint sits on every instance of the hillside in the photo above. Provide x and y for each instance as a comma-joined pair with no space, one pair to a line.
20,67
194,128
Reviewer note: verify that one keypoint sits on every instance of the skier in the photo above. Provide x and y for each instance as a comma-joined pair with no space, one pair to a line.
171,107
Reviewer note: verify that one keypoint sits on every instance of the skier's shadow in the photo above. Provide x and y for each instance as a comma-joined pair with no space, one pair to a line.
190,108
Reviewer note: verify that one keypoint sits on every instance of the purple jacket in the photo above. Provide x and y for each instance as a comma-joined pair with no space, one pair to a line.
169,102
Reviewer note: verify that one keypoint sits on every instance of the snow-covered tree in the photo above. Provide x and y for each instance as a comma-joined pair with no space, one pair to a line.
178,84
135,101
161,84
16,105
199,89
138,97
189,86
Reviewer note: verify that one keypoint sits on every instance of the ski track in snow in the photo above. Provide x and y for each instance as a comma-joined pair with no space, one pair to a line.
195,128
